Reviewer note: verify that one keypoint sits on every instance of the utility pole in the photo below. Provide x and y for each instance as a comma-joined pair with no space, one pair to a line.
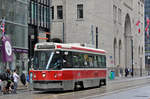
63,34
96,37
92,34
132,73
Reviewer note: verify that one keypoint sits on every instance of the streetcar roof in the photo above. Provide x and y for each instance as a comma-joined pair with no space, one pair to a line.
69,47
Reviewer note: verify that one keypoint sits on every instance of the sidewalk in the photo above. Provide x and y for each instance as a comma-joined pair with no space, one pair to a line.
21,86
129,78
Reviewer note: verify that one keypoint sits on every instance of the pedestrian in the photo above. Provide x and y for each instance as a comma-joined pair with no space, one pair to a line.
0,85
121,72
16,78
126,72
130,71
23,79
8,79
27,79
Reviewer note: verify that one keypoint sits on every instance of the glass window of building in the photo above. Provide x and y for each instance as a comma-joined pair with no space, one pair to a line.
119,15
33,12
59,12
114,13
79,11
139,7
52,12
142,9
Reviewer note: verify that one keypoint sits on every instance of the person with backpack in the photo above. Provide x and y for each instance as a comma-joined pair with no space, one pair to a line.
7,88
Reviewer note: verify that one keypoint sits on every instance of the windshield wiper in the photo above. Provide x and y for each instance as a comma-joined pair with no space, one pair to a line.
49,61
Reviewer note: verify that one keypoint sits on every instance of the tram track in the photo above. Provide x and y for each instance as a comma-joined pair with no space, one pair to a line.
112,87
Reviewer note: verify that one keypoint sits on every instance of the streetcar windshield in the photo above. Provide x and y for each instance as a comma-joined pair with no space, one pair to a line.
41,58
47,60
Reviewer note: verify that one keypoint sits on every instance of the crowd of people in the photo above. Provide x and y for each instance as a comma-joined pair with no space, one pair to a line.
9,81
126,73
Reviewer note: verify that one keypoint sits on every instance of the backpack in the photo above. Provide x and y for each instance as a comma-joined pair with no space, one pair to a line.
4,76
12,78
28,78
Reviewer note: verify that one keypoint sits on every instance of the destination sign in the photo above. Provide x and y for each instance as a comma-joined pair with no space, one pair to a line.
45,47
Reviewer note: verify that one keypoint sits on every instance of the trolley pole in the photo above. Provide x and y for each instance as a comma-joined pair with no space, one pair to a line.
96,37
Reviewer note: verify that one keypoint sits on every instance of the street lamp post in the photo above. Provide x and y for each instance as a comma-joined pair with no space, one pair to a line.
148,58
132,73
140,66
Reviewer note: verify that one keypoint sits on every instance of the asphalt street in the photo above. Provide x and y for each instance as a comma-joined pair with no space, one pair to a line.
125,88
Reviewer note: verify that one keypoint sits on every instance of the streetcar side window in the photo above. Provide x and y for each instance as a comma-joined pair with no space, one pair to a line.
104,61
91,62
95,61
101,61
67,60
81,60
77,59
86,60
56,62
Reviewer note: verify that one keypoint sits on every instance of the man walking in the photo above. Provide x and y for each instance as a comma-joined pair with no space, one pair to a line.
16,78
126,72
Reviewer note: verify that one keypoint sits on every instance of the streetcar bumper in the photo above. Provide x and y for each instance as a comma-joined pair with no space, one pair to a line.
47,85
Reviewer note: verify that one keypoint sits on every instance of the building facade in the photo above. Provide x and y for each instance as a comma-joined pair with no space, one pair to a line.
16,28
38,24
77,21
147,39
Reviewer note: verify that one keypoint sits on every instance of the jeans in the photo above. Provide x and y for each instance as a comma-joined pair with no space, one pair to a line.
15,86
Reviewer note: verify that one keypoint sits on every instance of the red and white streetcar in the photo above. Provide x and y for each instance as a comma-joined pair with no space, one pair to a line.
67,67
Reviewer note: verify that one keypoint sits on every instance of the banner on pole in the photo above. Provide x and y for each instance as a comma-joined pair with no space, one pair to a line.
7,54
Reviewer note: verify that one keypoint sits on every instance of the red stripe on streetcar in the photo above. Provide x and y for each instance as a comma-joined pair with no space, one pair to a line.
82,49
42,38
59,46
85,49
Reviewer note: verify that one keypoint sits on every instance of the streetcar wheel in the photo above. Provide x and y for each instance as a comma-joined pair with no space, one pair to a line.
81,85
75,86
104,82
78,86
100,83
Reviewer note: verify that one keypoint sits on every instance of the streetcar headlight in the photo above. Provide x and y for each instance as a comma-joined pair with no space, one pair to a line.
55,75
44,75
34,76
